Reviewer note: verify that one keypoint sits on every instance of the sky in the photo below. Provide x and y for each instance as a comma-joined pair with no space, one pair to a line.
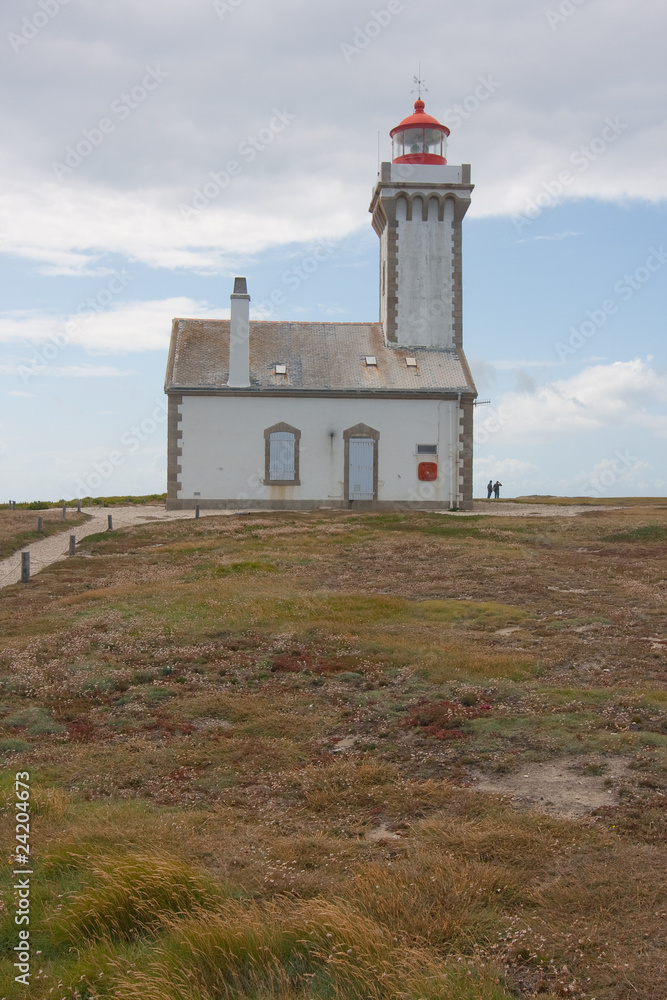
150,151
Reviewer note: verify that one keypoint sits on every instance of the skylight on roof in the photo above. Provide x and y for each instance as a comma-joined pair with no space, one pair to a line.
411,362
281,369
371,360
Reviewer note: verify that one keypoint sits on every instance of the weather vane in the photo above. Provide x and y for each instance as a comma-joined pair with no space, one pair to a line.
420,83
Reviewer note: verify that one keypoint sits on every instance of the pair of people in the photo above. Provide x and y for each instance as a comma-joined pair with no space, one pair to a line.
494,488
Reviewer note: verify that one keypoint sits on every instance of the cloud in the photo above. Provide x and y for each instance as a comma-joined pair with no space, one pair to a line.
620,394
489,465
525,383
508,365
557,236
66,231
64,371
516,475
88,371
655,422
313,177
610,471
131,327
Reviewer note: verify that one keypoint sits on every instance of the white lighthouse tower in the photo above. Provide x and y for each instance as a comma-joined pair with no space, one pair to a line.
418,206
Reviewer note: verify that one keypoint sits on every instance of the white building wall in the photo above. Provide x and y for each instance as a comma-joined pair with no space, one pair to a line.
425,275
223,447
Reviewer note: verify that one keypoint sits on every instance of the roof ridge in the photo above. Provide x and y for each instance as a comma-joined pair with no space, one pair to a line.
292,322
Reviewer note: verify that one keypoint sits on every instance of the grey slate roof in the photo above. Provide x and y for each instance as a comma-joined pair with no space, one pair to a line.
320,357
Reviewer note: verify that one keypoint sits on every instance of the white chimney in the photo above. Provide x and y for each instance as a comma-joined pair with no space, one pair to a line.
239,337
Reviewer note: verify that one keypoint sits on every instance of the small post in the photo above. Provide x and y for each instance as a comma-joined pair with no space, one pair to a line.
197,511
72,545
64,510
109,522
25,567
78,506
40,525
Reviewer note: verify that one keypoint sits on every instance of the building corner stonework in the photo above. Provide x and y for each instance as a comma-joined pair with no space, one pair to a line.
174,450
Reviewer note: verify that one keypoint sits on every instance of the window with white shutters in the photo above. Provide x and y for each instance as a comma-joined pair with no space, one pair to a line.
281,455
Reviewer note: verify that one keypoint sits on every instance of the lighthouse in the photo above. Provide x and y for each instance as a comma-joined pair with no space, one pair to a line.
417,209
286,415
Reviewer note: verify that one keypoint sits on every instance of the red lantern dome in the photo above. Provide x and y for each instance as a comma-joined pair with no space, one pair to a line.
419,138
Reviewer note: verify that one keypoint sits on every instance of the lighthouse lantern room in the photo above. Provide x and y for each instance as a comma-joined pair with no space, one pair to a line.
419,138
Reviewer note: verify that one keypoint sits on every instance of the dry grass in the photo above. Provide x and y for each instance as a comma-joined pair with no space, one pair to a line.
297,948
127,895
245,734
589,501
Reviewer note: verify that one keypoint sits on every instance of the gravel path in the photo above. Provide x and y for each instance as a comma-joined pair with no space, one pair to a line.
50,550
56,547
529,509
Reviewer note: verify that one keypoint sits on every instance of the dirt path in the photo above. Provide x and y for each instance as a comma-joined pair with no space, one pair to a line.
54,548
559,787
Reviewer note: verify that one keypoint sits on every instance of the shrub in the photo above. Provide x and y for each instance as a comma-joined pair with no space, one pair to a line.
295,948
442,718
13,746
131,894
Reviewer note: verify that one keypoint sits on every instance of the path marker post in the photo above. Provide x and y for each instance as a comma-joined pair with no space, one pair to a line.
25,567
64,510
109,522
197,511
72,545
40,525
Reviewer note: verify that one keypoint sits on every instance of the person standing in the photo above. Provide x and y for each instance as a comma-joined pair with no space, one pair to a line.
496,489
489,489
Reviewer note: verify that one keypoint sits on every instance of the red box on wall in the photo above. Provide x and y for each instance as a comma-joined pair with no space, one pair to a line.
427,471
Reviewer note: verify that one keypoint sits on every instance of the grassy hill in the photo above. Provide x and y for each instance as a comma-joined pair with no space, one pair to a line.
255,746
